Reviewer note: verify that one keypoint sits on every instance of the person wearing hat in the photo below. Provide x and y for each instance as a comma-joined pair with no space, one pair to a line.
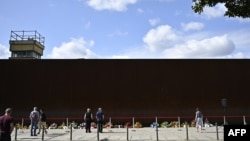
6,125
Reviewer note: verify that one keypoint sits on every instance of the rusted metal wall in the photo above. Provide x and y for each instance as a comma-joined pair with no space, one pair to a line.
65,88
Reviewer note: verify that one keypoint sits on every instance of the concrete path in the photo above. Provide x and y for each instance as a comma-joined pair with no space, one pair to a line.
121,134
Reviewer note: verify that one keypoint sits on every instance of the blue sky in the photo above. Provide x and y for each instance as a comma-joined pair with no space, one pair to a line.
126,29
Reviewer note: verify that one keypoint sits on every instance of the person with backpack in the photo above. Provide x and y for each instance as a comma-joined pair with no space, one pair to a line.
34,118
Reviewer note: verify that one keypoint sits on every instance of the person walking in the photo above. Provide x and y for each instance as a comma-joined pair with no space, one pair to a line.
198,119
34,118
99,118
6,125
88,117
42,122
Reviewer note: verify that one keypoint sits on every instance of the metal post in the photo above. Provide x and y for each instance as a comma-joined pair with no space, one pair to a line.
179,122
133,122
187,130
15,133
43,133
22,122
110,124
224,120
127,134
157,132
156,127
244,120
67,122
97,132
71,131
224,105
217,133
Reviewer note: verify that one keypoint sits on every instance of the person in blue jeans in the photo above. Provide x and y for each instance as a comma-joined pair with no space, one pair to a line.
34,118
99,118
198,120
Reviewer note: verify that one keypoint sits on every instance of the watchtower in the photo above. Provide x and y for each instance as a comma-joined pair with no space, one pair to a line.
26,45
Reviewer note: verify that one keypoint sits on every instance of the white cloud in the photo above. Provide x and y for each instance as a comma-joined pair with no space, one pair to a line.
160,38
120,57
238,55
192,26
165,42
154,21
241,38
4,52
216,11
137,53
75,48
116,5
207,48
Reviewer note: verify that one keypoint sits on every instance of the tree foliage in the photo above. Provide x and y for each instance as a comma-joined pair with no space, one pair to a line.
235,8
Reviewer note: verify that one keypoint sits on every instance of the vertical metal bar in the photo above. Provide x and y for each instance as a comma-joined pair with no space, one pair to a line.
67,122
179,122
71,131
15,133
244,120
36,38
23,35
157,138
217,133
224,120
127,134
133,122
22,122
156,127
187,130
97,132
43,133
110,122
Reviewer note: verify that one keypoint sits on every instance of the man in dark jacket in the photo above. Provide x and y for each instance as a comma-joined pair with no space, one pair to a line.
100,118
88,117
6,125
42,122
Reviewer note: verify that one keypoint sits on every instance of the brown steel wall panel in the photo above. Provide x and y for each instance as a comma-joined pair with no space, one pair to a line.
65,88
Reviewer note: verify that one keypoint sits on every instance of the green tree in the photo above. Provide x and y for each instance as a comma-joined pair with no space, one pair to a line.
235,8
